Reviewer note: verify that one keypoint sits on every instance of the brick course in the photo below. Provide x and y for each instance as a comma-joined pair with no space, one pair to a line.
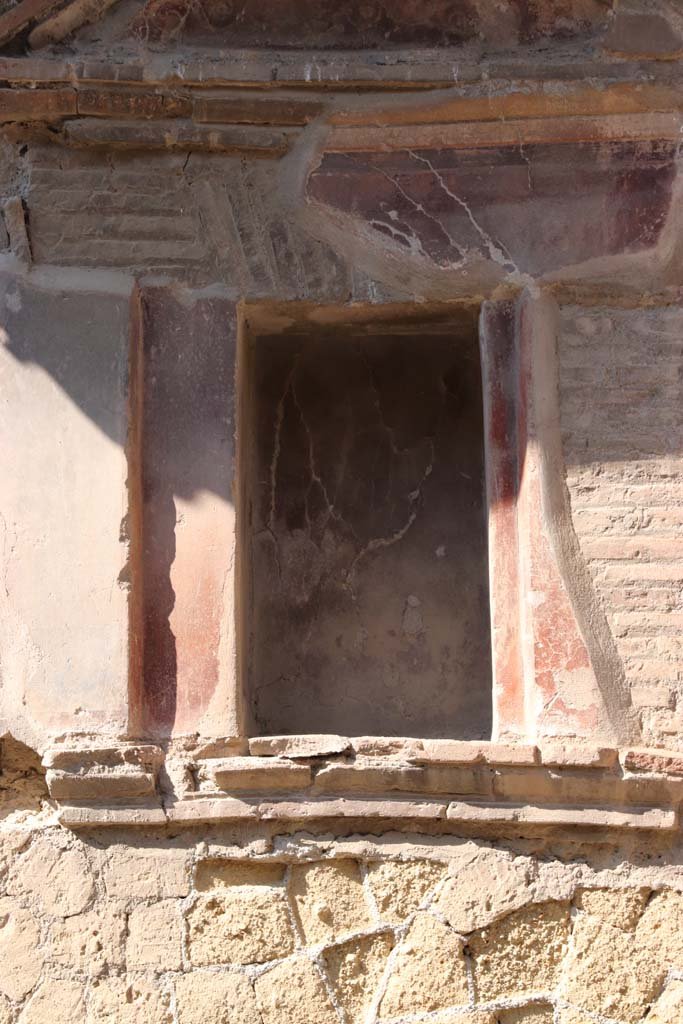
622,419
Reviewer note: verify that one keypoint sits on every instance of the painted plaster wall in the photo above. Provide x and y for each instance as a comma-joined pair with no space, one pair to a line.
65,568
367,559
155,184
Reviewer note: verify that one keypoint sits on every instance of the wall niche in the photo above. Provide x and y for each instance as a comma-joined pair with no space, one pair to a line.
363,542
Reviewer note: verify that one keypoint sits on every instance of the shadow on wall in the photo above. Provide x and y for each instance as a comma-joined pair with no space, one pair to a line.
184,364
22,779
181,454
185,383
81,339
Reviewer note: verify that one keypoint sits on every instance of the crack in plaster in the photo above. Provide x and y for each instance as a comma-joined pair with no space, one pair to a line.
496,250
386,542
420,209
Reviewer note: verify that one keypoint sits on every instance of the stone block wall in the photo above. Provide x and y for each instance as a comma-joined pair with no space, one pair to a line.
189,930
271,923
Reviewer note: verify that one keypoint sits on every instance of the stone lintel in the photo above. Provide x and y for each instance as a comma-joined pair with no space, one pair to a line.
96,816
256,773
594,817
95,785
558,754
658,762
464,752
71,758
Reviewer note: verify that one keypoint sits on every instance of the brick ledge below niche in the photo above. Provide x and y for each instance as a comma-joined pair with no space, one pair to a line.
377,779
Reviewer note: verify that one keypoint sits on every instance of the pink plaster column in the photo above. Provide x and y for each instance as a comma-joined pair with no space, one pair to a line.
556,669
185,567
500,384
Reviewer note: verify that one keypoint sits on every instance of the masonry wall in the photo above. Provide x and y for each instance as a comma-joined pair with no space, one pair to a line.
214,926
341,573
622,428
488,924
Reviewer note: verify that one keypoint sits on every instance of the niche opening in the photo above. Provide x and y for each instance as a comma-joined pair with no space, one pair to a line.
364,568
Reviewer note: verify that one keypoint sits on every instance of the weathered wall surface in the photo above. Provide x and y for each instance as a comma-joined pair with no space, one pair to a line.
165,194
63,421
623,438
206,219
367,556
366,26
204,928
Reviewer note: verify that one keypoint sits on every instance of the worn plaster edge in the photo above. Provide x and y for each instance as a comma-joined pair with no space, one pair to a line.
91,280
385,261
52,277
406,273
617,714
637,273
498,388
416,275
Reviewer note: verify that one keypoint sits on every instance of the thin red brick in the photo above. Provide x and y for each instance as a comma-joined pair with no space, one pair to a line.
36,104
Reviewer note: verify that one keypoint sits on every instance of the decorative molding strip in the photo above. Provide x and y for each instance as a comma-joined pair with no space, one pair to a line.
46,90
652,126
137,114
402,69
620,98
245,140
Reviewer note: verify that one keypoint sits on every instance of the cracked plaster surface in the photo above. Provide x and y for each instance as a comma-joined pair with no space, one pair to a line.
494,210
367,533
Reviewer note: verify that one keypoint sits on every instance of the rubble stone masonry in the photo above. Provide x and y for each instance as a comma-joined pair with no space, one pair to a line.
196,927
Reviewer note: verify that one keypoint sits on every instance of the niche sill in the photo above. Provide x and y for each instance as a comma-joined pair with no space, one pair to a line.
371,782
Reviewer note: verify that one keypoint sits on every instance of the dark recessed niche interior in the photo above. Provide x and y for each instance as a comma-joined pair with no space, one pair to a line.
364,575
